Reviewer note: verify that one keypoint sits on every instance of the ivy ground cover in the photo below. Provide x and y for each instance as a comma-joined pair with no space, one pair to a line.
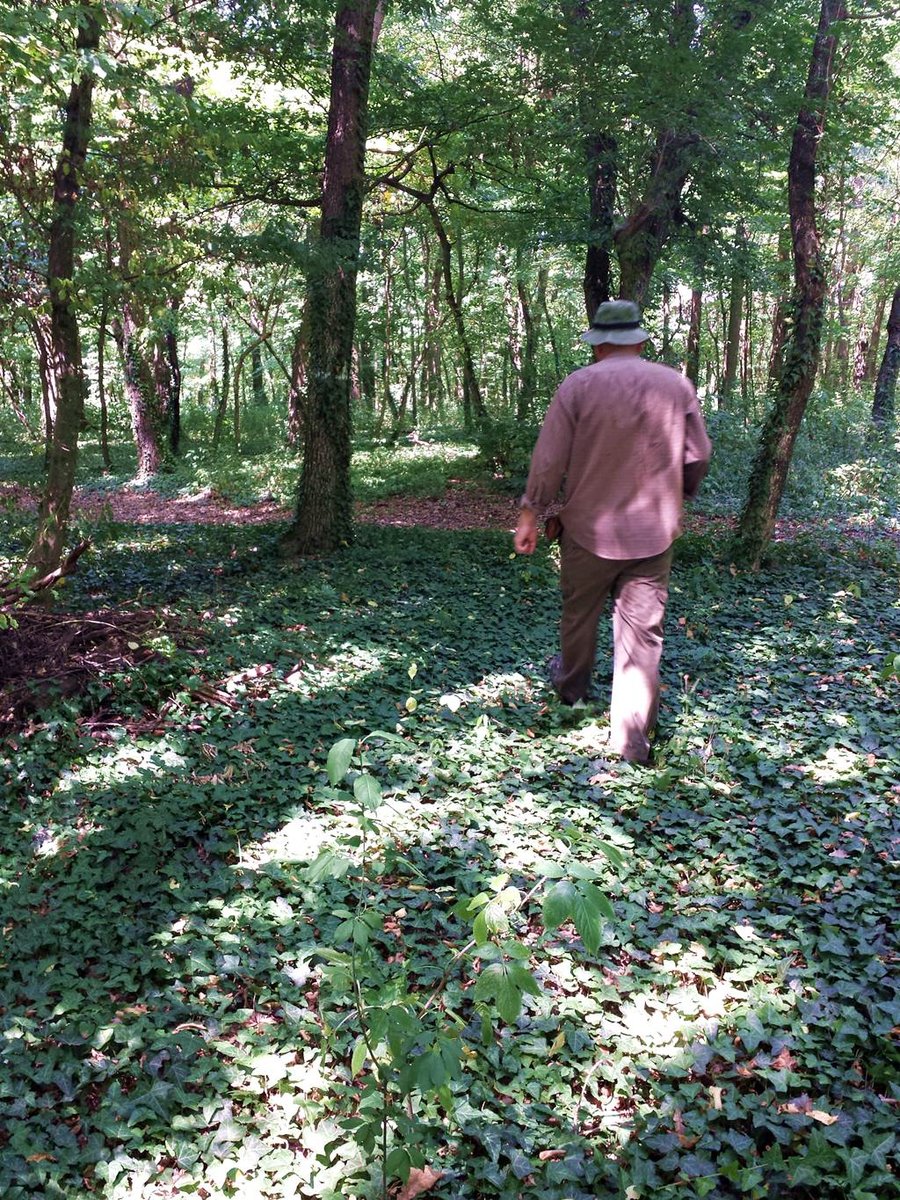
204,942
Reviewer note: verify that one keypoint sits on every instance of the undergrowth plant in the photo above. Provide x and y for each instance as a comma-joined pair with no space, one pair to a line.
410,1044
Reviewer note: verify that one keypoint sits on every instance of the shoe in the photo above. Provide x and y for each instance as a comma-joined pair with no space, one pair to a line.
554,668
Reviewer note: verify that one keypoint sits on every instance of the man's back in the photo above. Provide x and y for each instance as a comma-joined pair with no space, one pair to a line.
623,429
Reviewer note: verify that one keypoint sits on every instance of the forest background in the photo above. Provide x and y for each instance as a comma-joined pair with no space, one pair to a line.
281,266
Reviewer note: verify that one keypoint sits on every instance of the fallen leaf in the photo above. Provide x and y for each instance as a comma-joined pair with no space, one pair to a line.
552,1155
715,1094
784,1060
419,1182
823,1118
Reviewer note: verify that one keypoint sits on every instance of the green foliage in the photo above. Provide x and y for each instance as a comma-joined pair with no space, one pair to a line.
839,467
505,449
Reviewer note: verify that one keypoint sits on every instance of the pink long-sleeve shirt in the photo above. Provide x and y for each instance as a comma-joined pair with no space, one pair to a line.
620,433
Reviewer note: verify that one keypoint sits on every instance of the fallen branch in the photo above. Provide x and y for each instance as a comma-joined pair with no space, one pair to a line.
17,593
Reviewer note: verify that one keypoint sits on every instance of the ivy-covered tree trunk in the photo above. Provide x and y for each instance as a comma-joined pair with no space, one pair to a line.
149,418
324,514
886,384
64,362
801,353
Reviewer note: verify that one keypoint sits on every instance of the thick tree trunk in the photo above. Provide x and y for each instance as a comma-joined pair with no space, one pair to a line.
803,348
643,236
324,513
601,150
65,366
886,384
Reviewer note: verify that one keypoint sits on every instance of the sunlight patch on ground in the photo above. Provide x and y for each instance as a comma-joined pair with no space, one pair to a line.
122,763
302,839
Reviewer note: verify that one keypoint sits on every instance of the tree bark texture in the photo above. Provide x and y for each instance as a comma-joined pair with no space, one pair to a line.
803,348
64,366
886,384
324,512
642,237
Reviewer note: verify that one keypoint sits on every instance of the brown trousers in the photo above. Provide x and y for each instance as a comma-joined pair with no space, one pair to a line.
639,589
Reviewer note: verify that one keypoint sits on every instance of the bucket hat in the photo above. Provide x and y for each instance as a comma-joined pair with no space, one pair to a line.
617,323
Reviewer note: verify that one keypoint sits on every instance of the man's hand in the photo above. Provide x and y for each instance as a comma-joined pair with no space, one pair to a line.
525,539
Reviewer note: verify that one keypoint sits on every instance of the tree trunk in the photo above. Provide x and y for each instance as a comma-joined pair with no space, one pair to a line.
258,377
886,384
601,150
474,410
65,362
224,393
147,422
173,364
324,514
802,350
543,280
733,340
297,388
642,238
692,351
102,334
867,354
528,384
431,367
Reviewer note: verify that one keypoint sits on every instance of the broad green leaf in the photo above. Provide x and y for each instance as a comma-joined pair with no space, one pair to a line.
360,1051
328,865
587,912
559,903
367,791
613,853
339,758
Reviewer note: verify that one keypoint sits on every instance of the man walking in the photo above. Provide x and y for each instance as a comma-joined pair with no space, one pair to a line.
626,439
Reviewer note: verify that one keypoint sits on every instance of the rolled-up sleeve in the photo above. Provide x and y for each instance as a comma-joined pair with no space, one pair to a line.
550,457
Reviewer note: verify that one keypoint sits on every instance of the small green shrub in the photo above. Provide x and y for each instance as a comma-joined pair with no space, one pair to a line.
505,447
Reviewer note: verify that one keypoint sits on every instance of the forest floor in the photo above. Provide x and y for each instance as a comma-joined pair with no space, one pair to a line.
523,970
463,506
